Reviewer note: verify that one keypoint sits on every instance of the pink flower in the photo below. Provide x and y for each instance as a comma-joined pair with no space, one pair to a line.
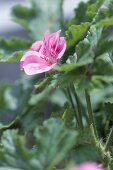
44,54
88,166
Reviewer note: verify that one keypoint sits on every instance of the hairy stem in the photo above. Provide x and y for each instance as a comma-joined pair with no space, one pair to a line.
109,139
90,113
78,106
72,104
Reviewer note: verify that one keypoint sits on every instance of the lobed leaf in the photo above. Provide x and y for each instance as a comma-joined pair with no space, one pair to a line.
12,48
39,18
52,133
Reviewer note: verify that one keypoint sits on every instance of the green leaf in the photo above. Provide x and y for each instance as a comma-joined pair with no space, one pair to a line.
14,57
76,33
106,22
85,152
67,117
104,61
71,67
103,78
89,11
105,10
14,44
52,137
12,145
12,48
22,15
14,98
76,76
3,89
81,16
39,18
101,95
104,46
86,49
62,140
58,98
43,96
109,109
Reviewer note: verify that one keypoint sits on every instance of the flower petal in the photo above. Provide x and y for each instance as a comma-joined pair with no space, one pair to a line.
54,39
88,166
32,57
61,47
44,54
50,43
37,46
35,68
33,63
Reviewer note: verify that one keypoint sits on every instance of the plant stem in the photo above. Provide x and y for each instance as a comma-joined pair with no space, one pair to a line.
90,113
16,123
72,103
78,106
109,139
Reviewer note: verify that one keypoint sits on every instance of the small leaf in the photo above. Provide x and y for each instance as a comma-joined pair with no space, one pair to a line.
76,33
11,49
104,61
106,22
86,49
14,57
22,15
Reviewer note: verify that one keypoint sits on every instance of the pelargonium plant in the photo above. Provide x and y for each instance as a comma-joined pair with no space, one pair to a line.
59,114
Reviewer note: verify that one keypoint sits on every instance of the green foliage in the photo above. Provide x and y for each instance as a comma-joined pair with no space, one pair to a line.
37,19
75,33
11,49
89,11
16,152
27,139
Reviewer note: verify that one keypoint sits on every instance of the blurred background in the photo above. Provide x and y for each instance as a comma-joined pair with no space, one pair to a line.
11,71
